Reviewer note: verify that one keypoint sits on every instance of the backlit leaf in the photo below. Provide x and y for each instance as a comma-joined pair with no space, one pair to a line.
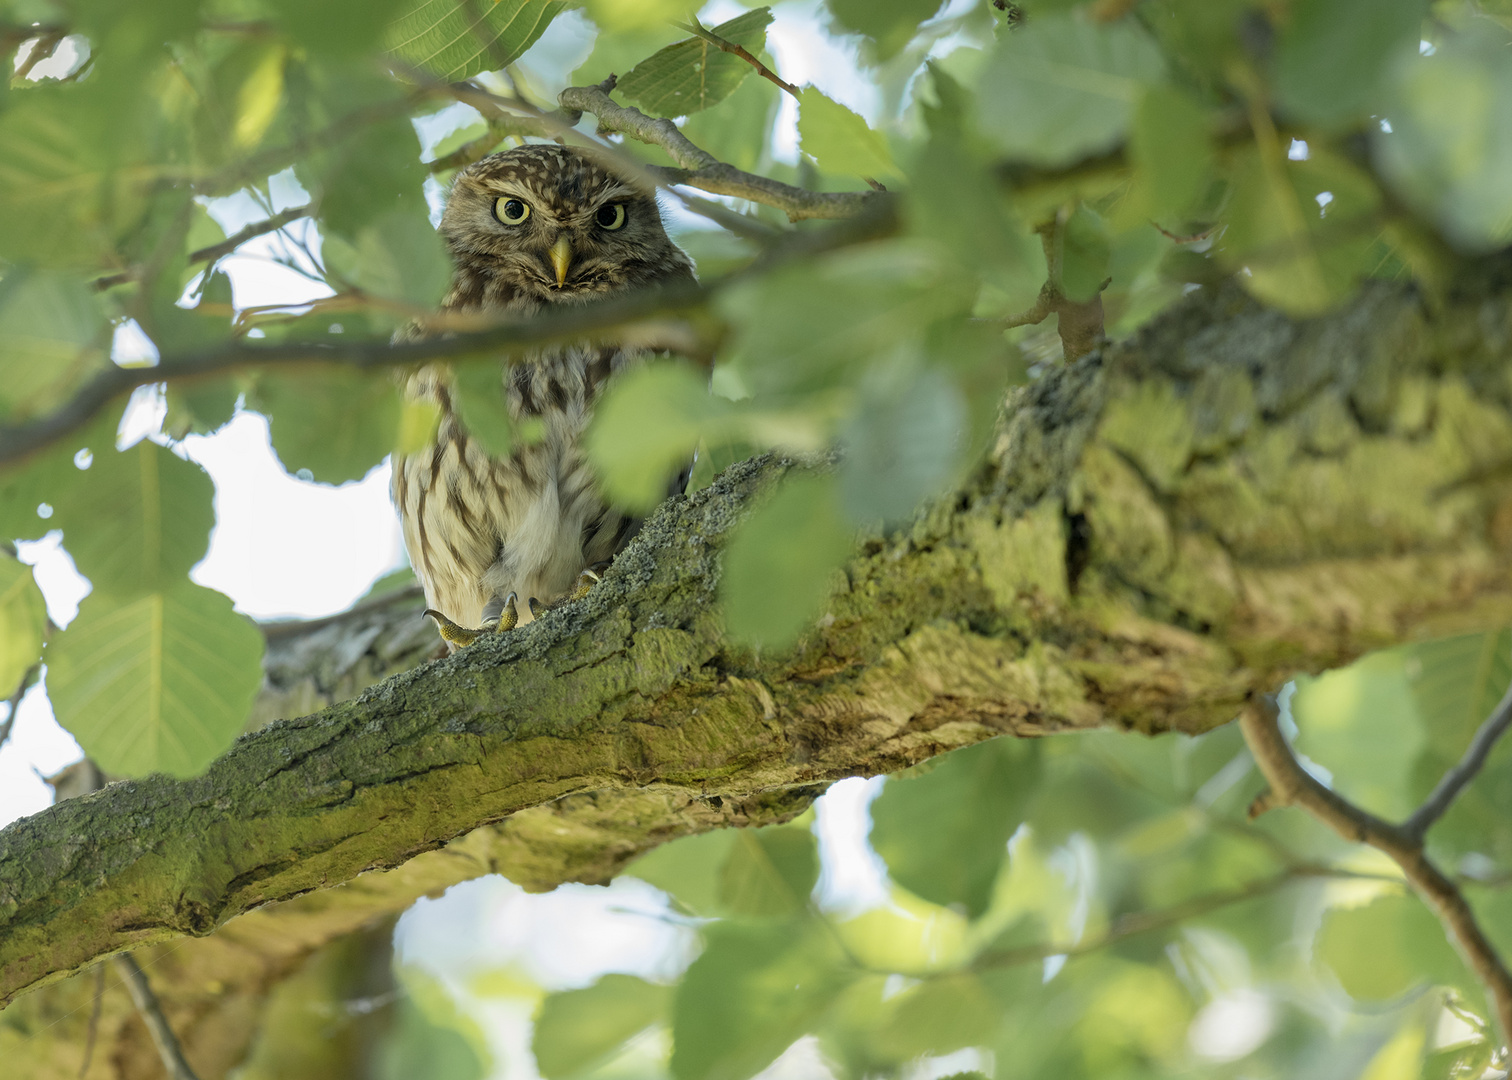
453,39
769,872
1382,949
23,618
1061,88
943,831
52,337
842,142
155,681
691,75
336,424
777,568
646,429
577,1028
888,23
1334,56
1171,146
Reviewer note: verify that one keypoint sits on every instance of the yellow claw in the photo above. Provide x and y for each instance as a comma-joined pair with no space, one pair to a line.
462,637
585,583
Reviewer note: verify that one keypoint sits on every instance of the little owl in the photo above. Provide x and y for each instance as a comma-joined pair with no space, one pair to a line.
536,225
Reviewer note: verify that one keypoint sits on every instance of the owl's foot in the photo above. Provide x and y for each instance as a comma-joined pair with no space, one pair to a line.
580,588
498,615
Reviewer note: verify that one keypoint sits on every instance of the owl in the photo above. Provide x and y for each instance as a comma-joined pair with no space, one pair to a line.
493,540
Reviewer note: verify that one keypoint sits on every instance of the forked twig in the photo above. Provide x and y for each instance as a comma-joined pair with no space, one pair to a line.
1292,785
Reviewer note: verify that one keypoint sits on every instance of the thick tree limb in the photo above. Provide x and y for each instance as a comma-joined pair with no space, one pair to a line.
1292,785
1156,536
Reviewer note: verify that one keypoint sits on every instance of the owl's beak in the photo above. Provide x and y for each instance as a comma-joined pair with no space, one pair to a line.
561,258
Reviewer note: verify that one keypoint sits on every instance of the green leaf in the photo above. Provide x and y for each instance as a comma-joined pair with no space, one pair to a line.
1334,56
1300,230
135,519
755,989
937,1017
1172,149
1061,89
52,337
454,39
691,75
1086,251
23,618
344,26
769,872
943,831
399,256
577,1028
902,443
1381,950
1449,152
953,200
890,24
688,869
841,141
777,568
737,131
1456,682
336,424
432,1037
483,406
620,16
155,681
365,176
646,429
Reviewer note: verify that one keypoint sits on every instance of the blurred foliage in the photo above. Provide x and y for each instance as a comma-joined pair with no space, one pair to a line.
1087,906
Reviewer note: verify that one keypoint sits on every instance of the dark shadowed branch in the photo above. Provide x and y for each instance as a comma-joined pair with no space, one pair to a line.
152,1015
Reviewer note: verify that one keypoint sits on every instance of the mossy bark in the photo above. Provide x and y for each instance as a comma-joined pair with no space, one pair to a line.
1225,501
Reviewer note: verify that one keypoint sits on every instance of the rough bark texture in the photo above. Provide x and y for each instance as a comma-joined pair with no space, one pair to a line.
1229,499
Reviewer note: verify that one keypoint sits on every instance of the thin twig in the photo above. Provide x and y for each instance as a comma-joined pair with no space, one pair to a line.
696,28
1455,779
94,1020
700,169
1292,785
152,1015
46,45
13,703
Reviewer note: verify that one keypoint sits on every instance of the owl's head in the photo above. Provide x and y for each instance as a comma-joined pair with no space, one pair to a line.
556,226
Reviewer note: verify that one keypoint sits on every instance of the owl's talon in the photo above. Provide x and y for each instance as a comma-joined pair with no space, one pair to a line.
585,583
537,609
496,618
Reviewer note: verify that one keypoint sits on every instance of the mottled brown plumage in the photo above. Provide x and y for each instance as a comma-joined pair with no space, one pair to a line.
536,225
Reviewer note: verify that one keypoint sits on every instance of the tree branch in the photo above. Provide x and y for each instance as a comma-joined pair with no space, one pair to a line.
696,29
1092,572
1292,785
700,169
152,1015
1457,778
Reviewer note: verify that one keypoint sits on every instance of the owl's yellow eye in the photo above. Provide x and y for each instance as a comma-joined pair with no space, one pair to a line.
511,211
611,217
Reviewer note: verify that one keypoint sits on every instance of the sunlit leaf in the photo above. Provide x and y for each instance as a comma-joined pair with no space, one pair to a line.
777,567
842,142
577,1028
1335,55
155,681
397,257
944,831
688,869
769,872
1062,88
23,618
432,1037
755,989
902,443
646,429
691,75
135,519
888,23
52,337
1383,949
1449,150
453,39
336,424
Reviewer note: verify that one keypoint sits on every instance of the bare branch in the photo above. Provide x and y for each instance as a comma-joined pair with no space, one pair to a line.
152,1015
1457,778
46,45
648,318
1292,785
700,169
696,29
225,247
14,702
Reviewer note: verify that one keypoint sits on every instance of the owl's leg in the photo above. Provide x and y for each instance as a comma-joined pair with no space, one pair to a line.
498,615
